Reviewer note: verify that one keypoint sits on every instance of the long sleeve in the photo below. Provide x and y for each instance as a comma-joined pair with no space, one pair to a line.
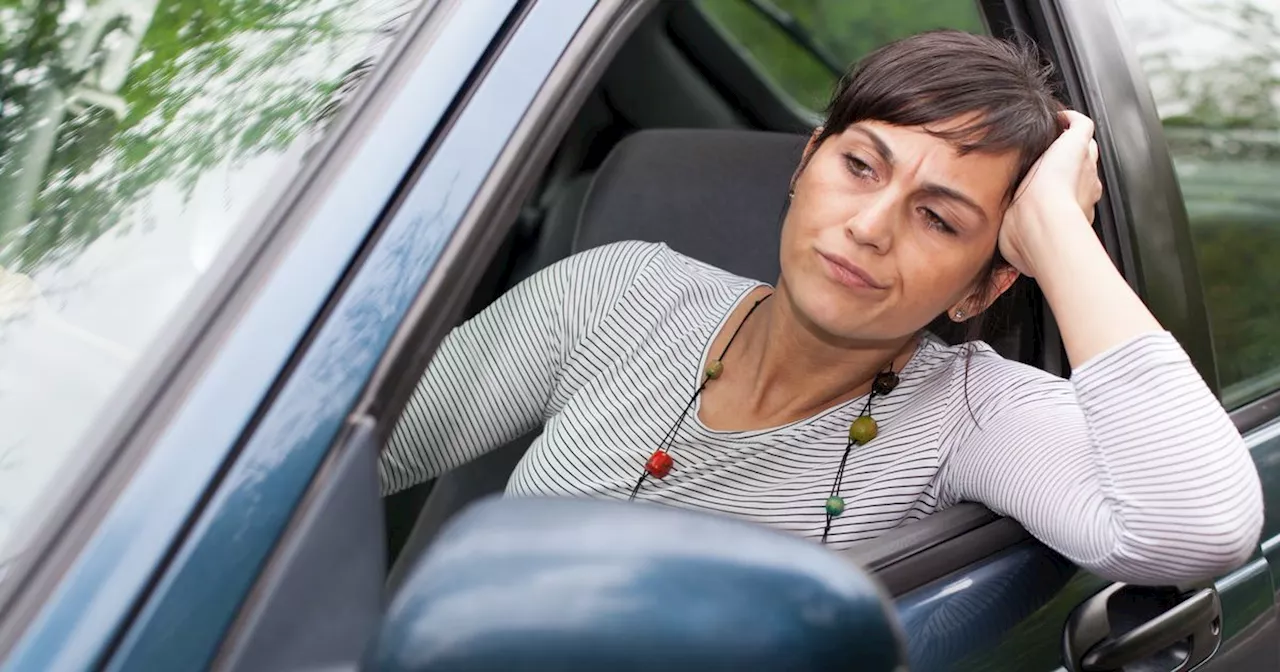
1132,469
492,377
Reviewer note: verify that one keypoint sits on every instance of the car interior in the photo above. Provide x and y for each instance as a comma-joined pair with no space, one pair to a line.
684,141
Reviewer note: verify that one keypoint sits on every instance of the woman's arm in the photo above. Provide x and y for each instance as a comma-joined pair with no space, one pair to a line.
1133,469
492,378
1047,235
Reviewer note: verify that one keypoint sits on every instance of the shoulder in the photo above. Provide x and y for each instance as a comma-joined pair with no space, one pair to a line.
622,260
984,380
634,262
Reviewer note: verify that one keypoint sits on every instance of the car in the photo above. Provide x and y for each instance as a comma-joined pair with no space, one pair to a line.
233,232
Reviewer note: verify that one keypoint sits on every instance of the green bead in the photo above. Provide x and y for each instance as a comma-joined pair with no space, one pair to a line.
714,369
835,506
863,430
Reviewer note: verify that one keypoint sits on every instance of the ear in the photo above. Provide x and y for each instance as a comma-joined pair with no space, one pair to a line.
809,148
975,303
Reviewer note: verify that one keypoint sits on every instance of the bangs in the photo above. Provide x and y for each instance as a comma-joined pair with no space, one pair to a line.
978,93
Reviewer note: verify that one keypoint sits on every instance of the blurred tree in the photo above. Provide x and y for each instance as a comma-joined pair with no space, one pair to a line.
103,100
1236,88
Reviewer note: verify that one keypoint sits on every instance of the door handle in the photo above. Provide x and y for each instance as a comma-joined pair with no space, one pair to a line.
1089,645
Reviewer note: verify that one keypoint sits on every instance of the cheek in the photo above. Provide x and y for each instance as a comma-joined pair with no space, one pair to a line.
820,216
933,280
800,229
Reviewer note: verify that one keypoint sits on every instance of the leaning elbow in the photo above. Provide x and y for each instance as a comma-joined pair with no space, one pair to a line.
1200,548
1242,528
1240,542
1246,534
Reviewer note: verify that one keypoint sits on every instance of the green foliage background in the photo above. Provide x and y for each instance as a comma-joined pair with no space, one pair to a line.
848,30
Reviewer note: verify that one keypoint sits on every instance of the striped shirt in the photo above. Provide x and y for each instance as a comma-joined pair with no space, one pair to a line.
1131,469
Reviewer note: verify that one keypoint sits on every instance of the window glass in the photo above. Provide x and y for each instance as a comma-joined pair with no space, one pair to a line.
839,32
1214,69
134,137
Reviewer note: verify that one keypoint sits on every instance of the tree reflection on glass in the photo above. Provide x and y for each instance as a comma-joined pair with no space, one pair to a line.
1214,67
103,100
134,135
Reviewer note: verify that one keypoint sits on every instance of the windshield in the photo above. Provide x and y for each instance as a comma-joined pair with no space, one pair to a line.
135,137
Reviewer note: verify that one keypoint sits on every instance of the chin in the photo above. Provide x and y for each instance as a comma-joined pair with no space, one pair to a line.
835,314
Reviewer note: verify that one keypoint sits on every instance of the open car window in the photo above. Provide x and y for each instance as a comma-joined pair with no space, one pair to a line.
137,140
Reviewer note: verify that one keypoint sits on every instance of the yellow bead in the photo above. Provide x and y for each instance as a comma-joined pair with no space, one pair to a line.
863,430
714,369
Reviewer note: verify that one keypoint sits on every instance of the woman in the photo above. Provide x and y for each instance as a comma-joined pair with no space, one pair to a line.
945,170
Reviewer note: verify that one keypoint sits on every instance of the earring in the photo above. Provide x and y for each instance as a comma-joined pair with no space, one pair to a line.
959,314
791,195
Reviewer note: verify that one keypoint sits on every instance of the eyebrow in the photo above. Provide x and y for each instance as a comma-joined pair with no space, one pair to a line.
878,141
952,194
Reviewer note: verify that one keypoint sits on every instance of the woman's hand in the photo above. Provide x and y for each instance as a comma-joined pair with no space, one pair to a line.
1046,234
1061,186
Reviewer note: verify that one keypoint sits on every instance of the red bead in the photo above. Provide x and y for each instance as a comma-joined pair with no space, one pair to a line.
659,464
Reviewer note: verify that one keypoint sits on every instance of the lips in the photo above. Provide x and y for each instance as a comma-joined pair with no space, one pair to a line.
848,273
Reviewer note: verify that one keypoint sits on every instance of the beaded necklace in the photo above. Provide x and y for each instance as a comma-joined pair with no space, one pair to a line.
861,431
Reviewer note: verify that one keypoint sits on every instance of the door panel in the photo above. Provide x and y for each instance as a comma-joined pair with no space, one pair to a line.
1004,613
1009,612
319,601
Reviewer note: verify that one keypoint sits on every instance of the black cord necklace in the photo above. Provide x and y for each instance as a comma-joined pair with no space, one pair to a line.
861,431
660,462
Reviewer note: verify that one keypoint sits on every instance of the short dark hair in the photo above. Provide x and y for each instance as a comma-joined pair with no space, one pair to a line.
1002,86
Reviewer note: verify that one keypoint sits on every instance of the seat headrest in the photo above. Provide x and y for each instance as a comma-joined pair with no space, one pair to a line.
714,195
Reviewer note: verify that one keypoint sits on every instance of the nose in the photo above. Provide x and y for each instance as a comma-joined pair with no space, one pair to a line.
872,224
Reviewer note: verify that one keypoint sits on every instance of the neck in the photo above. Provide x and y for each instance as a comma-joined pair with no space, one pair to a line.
798,370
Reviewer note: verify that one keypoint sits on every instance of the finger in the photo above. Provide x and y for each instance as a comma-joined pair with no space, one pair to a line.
1076,121
1093,151
1078,125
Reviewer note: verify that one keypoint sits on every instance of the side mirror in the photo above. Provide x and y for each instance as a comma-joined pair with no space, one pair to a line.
570,584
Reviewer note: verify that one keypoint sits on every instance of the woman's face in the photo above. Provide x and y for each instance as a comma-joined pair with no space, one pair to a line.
889,227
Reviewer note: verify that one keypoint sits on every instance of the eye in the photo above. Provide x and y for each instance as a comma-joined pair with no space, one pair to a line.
935,222
859,168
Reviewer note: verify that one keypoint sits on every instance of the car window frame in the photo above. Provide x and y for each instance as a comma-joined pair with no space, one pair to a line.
142,420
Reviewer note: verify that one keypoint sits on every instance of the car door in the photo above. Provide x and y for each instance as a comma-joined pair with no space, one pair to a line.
184,184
